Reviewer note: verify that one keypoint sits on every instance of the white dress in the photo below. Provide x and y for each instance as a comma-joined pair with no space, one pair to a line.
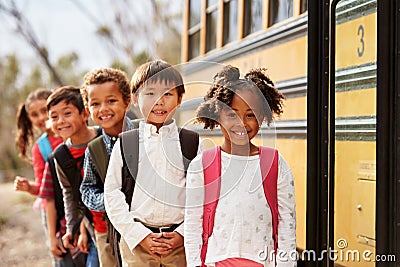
243,220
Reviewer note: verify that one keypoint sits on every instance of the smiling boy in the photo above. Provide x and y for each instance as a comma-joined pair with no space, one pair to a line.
151,223
69,119
107,96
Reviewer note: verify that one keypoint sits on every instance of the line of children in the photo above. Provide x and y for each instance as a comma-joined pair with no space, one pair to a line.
32,114
161,206
107,96
246,218
69,118
150,218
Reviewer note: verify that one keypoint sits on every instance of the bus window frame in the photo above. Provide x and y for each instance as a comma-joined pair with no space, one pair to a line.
200,28
388,132
317,128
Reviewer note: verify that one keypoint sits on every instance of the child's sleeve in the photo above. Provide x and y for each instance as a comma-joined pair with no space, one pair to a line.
38,166
70,205
287,216
115,204
193,224
46,188
91,191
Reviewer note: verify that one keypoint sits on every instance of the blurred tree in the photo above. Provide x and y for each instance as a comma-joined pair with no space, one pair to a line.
9,83
67,66
25,30
140,30
15,87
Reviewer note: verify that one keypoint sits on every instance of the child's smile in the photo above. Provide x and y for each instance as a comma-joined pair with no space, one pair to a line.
66,119
158,102
107,106
240,122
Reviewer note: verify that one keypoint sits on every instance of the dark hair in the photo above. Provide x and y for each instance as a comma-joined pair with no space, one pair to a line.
25,132
68,94
225,85
157,71
104,75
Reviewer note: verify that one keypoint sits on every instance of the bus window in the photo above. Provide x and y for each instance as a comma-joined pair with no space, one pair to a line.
355,148
194,45
279,10
230,21
303,6
211,24
194,28
252,16
212,2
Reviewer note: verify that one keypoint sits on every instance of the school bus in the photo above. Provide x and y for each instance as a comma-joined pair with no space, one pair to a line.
322,55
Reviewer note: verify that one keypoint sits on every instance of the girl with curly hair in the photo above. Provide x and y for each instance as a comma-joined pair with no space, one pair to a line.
248,217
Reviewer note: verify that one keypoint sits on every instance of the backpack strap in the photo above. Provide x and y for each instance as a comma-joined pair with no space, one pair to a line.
58,196
129,145
212,186
136,122
269,170
44,146
69,165
99,155
189,142
130,155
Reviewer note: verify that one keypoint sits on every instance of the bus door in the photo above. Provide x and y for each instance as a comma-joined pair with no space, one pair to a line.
353,133
353,99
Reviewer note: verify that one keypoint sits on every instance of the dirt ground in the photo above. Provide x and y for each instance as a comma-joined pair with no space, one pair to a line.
22,238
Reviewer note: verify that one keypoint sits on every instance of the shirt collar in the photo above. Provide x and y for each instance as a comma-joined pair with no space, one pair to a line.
170,130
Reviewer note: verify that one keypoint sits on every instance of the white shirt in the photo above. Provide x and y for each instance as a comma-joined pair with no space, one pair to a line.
243,220
159,195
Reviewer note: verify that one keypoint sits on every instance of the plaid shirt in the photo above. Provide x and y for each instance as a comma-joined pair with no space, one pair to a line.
93,192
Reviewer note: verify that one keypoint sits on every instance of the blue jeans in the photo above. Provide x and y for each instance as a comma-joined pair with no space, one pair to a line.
92,258
67,261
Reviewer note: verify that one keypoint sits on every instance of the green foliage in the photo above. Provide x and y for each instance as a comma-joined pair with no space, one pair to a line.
141,58
122,66
67,68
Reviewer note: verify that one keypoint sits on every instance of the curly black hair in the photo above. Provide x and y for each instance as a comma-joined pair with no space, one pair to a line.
100,76
224,87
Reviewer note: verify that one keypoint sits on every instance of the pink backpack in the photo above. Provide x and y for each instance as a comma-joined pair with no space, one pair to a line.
212,183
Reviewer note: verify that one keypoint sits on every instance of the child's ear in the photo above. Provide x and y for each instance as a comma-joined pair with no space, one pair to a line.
180,99
87,112
128,103
134,99
260,120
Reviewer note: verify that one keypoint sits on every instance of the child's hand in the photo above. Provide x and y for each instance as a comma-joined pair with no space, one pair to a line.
56,248
83,243
154,244
21,184
68,242
173,239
